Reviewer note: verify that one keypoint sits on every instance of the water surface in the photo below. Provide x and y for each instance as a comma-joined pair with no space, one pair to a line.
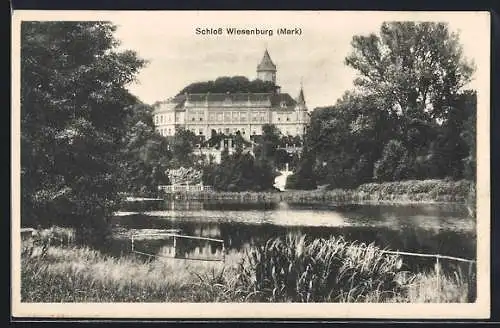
423,228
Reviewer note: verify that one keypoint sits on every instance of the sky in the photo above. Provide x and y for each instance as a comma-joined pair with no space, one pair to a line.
177,56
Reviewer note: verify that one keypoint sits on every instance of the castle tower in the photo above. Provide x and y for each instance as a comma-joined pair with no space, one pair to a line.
266,70
301,101
301,110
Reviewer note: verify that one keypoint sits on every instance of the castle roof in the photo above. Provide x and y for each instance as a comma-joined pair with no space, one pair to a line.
281,101
266,64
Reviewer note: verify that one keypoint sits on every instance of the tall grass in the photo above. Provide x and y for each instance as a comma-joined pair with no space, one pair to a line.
334,270
323,270
281,270
77,274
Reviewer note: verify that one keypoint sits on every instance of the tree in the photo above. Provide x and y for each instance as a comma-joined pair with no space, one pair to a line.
229,84
239,172
304,177
268,143
239,142
74,106
182,146
344,141
393,165
415,67
146,156
468,133
418,72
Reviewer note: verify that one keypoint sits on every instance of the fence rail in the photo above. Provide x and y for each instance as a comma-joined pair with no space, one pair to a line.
436,256
184,188
175,237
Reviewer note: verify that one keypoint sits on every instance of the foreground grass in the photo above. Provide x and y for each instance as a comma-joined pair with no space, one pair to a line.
411,191
282,270
77,274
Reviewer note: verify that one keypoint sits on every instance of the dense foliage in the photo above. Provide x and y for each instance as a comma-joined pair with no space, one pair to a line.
146,154
254,164
239,171
74,110
182,146
183,176
408,118
229,84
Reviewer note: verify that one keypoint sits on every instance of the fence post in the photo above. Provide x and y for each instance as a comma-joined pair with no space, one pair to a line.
175,247
132,242
223,253
437,277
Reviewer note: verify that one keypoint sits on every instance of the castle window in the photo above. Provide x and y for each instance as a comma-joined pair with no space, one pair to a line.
283,104
201,131
192,118
227,117
243,117
288,118
254,117
169,131
211,117
201,118
219,117
227,130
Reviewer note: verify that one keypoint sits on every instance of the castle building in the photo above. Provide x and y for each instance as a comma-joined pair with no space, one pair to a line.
229,113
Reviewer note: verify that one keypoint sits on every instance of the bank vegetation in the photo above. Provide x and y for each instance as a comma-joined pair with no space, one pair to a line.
400,192
289,269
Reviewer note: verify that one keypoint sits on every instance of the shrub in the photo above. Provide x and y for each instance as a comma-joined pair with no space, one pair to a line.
394,164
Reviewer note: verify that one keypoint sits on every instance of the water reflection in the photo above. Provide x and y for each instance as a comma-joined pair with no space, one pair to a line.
433,229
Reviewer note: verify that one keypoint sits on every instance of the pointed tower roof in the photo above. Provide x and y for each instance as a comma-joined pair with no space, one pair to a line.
266,64
301,99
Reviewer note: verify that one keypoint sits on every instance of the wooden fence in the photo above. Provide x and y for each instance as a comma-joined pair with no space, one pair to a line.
175,237
184,188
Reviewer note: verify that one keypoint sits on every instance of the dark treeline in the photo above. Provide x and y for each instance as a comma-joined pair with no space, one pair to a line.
251,166
408,118
229,84
76,119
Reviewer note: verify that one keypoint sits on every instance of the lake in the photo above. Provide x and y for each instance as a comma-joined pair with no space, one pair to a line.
442,229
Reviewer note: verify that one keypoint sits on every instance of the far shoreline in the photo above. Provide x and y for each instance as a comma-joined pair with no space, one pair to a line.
411,192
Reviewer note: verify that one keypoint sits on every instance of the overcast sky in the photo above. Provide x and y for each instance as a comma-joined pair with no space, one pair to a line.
178,57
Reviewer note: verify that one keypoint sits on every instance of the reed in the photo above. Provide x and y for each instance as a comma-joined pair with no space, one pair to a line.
321,270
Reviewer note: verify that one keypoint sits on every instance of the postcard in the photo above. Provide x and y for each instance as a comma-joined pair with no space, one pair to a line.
250,164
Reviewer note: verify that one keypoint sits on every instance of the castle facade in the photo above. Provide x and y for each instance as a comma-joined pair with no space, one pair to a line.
229,113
